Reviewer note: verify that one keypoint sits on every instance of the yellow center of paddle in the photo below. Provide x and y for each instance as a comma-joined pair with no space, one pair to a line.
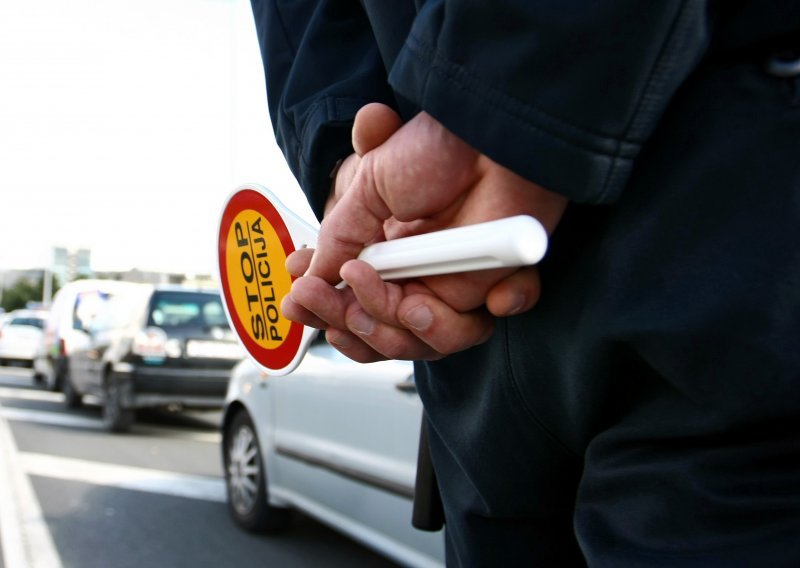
257,278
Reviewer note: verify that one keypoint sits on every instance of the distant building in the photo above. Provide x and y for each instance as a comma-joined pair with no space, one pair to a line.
69,265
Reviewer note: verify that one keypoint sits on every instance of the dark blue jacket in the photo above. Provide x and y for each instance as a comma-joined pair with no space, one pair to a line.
534,85
645,413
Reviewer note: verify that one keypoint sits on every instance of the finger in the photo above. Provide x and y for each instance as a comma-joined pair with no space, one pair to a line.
418,171
515,294
373,318
341,183
377,298
440,327
295,312
465,291
349,345
321,299
355,221
340,237
373,125
297,262
390,341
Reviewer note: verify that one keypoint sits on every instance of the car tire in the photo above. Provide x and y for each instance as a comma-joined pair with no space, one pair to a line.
245,479
116,418
54,380
72,398
50,383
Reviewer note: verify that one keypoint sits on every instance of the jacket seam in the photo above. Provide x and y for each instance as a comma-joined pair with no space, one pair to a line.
653,88
663,65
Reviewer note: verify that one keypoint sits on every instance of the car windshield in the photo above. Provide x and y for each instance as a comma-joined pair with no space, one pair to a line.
35,322
87,305
176,309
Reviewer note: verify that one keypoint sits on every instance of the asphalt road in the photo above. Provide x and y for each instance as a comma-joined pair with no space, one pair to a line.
73,495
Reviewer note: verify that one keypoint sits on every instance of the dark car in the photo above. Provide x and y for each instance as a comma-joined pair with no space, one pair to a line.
154,346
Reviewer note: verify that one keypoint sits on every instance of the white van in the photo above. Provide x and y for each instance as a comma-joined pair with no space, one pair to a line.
74,307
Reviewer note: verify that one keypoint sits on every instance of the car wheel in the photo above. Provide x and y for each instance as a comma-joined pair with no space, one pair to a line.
53,378
50,382
72,398
245,478
116,418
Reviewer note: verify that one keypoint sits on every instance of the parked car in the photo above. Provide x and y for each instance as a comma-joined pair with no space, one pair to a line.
73,310
20,335
335,439
154,346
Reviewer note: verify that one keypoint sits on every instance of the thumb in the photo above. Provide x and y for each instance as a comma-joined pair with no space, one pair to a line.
374,124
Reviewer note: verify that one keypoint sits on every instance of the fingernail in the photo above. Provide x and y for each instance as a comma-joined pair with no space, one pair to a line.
337,338
361,323
419,317
516,305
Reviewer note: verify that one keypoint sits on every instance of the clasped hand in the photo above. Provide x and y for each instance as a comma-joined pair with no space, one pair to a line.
406,179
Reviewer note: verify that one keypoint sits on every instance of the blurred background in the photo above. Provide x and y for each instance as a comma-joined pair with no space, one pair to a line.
124,125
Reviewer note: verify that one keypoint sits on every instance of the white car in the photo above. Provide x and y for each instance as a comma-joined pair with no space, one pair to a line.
20,336
336,440
74,307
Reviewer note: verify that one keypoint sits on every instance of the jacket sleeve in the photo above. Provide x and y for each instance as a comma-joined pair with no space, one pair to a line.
565,93
321,65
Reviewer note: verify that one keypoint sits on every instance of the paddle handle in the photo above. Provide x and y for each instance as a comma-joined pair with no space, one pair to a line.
513,241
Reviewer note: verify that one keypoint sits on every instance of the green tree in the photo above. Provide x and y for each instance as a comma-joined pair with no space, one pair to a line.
23,291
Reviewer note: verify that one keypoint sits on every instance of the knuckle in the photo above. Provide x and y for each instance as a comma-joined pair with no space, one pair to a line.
395,350
466,337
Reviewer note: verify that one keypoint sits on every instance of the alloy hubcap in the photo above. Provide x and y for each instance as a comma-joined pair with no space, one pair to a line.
244,472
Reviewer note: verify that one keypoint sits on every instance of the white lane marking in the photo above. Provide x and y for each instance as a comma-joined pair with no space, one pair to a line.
59,419
26,540
29,394
16,372
125,477
49,418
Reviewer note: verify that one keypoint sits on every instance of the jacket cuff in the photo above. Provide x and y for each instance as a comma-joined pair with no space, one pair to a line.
327,138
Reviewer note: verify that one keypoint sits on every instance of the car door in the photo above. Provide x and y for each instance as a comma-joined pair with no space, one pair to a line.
346,438
79,359
81,311
89,361
363,418
86,357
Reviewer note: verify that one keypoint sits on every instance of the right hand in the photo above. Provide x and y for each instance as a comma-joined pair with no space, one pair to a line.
421,178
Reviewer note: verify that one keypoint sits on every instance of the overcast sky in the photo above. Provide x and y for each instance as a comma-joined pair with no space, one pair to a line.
124,125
